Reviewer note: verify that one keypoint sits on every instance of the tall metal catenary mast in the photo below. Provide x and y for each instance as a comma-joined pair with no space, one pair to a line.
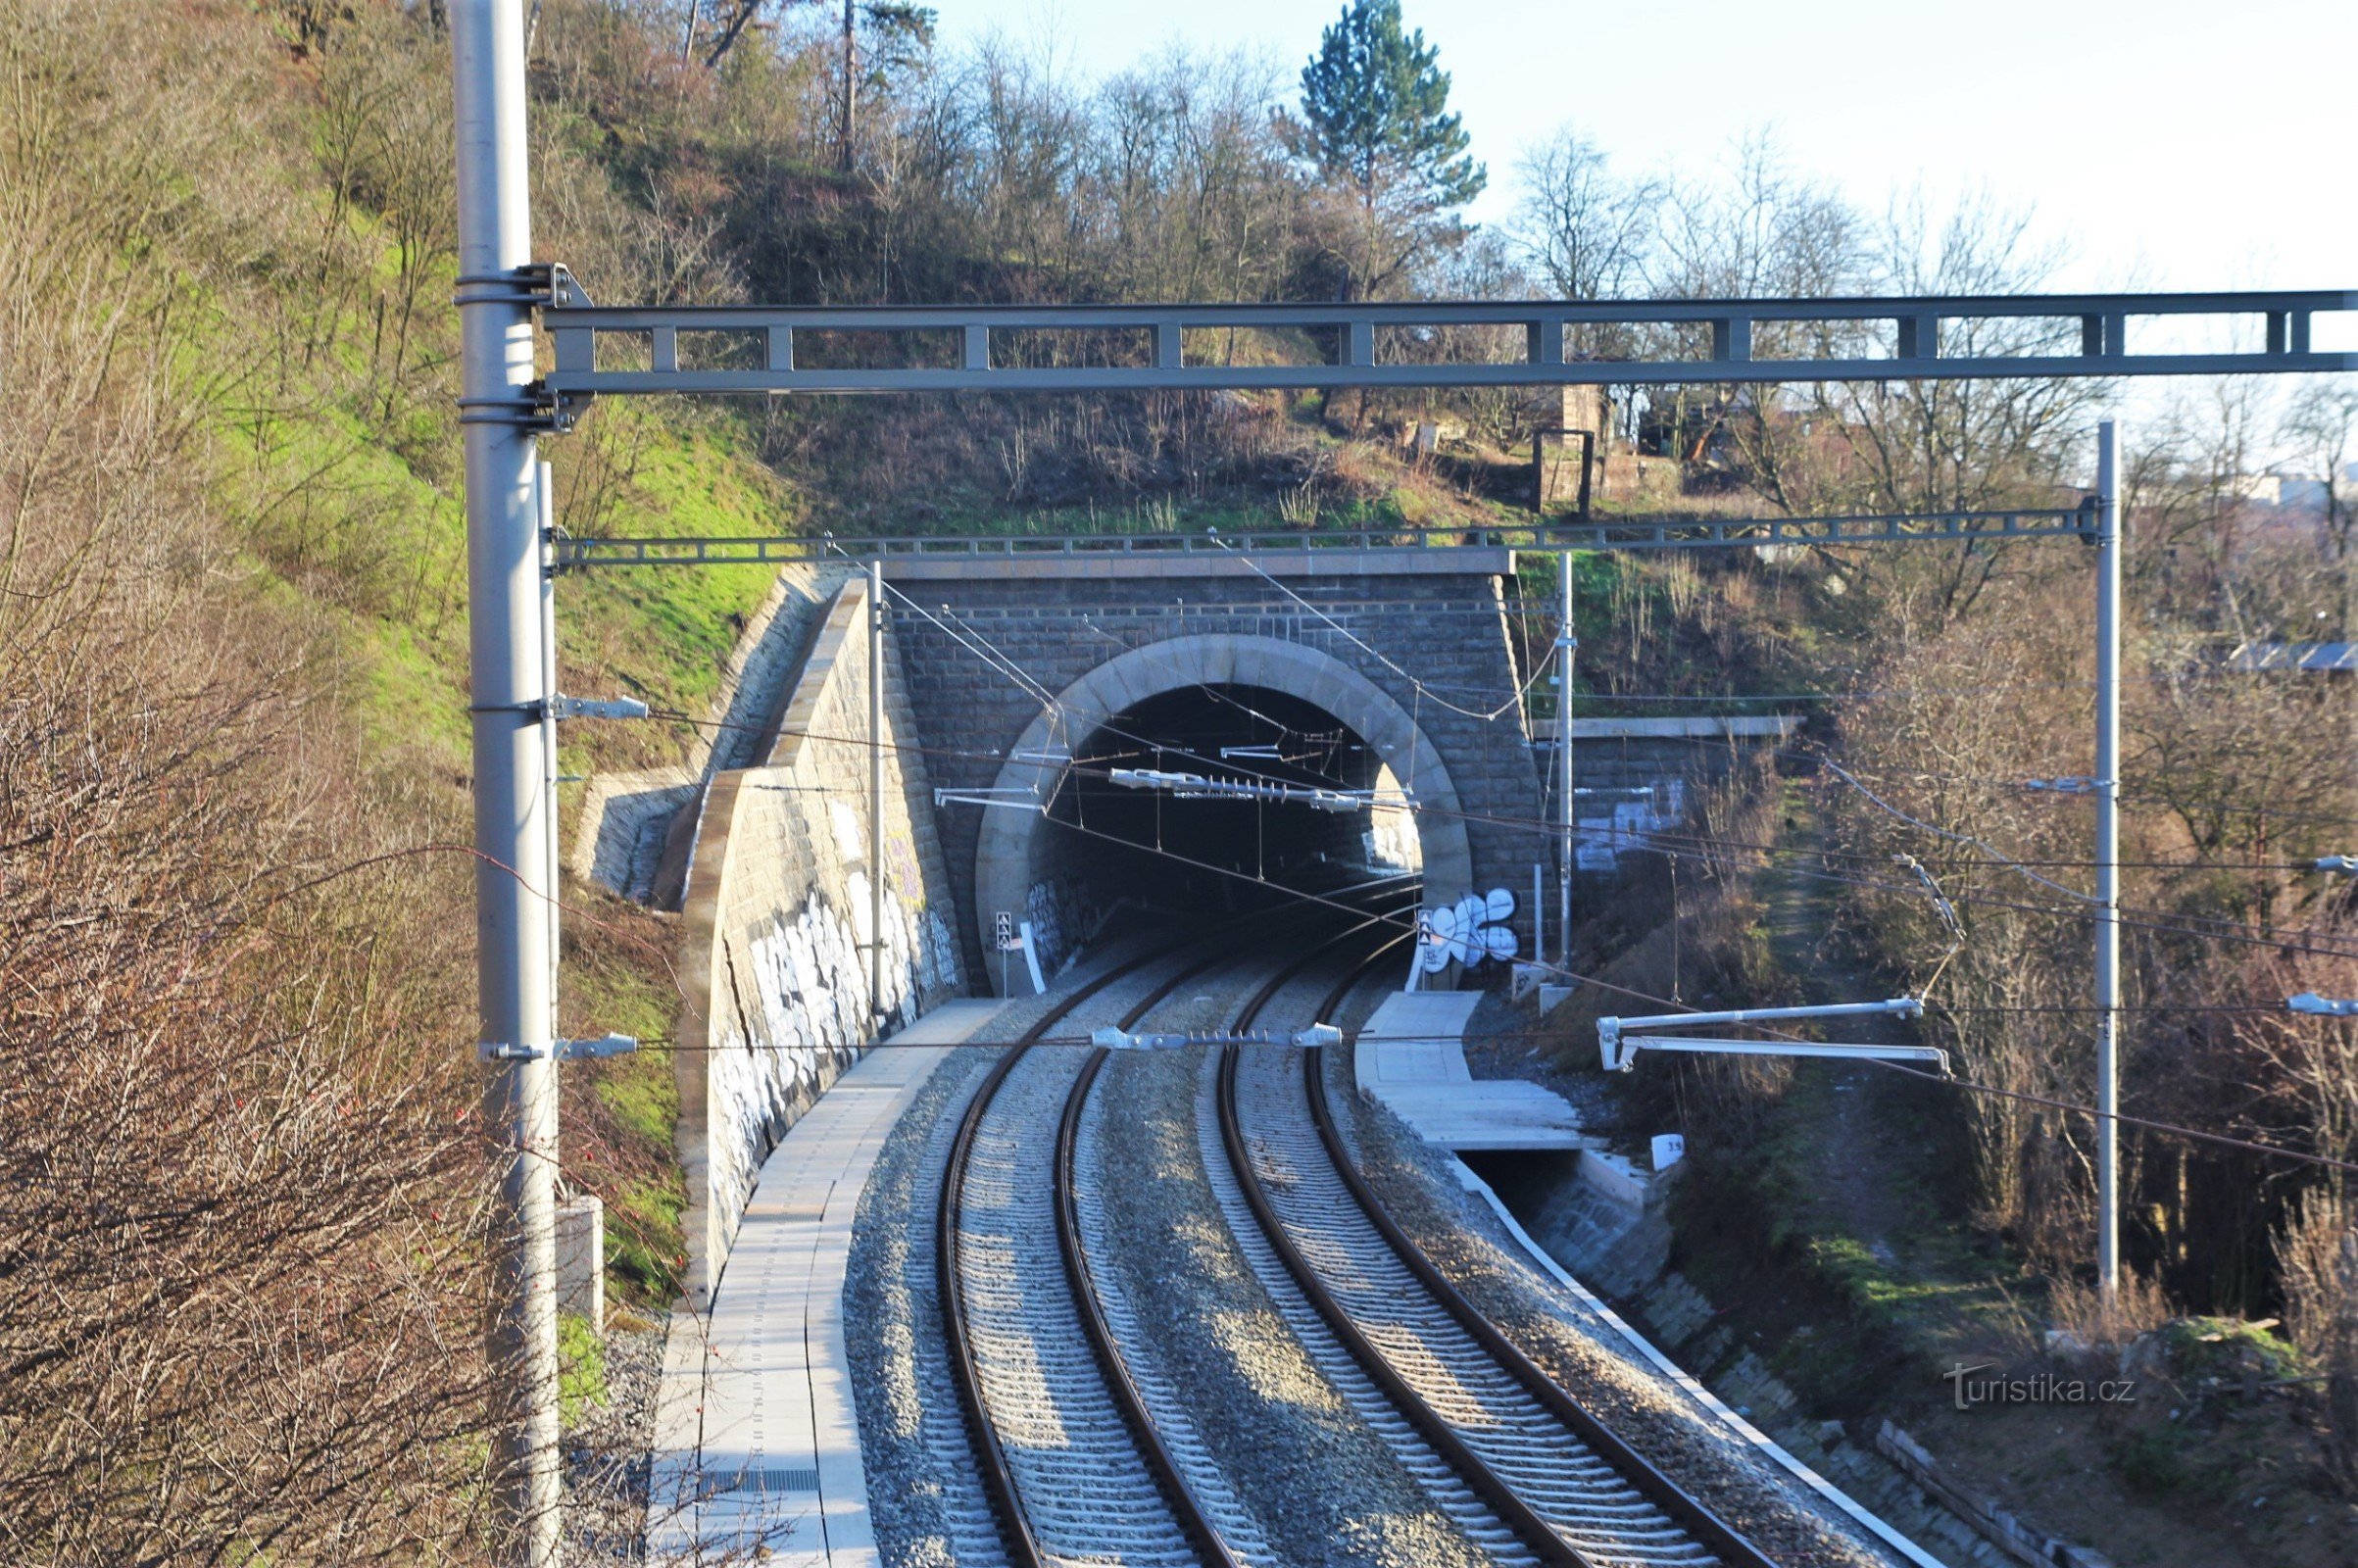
2108,858
514,931
1565,645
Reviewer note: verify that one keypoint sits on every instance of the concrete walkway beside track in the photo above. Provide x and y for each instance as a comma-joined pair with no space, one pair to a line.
757,1443
1411,1056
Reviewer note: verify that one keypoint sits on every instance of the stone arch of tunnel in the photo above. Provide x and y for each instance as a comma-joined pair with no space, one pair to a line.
1020,852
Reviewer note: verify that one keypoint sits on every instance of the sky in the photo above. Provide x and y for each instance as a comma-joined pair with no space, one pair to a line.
2169,145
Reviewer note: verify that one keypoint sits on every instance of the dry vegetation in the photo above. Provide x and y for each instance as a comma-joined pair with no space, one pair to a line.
239,1197
2234,783
235,1311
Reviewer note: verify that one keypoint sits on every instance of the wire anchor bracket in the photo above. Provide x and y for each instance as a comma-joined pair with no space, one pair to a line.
562,707
561,1050
1620,1048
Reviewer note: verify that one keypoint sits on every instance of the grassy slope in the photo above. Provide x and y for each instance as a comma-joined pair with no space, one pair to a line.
361,516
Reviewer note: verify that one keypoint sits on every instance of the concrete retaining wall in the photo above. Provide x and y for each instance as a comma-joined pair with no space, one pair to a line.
773,969
624,820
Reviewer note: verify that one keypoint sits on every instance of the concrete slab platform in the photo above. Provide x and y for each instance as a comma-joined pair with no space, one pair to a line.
1411,1056
757,1441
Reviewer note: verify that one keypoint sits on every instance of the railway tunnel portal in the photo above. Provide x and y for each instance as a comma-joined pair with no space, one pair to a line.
1390,677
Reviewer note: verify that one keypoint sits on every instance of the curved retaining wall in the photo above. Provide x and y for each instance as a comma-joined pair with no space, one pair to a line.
773,972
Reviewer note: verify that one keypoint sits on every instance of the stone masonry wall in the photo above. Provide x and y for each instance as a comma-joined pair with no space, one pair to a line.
776,918
1448,630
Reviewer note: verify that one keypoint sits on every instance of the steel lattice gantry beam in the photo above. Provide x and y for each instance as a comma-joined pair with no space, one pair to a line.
781,349
1669,533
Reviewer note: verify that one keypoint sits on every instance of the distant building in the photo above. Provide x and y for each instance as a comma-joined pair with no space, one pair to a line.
2284,491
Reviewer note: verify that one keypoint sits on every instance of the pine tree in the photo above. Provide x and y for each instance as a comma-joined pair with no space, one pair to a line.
1376,113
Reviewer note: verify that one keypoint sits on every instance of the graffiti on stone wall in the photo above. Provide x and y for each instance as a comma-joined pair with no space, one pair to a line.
1061,912
803,991
1600,841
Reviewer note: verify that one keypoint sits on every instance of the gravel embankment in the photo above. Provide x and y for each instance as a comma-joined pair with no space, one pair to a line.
1586,1354
606,1467
1320,1484
924,1498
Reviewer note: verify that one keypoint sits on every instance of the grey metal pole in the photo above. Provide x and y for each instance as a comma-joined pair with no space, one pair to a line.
2108,857
545,512
1566,647
514,932
876,793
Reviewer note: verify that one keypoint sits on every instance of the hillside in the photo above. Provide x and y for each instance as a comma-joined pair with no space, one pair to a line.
241,1201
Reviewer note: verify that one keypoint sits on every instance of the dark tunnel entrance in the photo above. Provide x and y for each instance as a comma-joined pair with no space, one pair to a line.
1167,807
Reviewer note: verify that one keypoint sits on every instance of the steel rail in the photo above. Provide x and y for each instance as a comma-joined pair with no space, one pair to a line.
1518,1515
998,1475
998,1478
1198,1529
1679,1504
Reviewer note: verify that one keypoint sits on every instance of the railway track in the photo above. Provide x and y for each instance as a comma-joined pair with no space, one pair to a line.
1082,1457
1521,1466
1070,1464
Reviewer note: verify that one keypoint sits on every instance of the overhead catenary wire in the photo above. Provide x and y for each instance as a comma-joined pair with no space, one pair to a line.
983,649
976,642
2166,921
1514,699
2281,944
1532,824
999,658
2167,1128
1918,823
1666,841
2171,1129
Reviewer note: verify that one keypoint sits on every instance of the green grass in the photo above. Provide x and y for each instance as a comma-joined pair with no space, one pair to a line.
363,516
608,985
2226,1347
580,1368
354,516
643,1240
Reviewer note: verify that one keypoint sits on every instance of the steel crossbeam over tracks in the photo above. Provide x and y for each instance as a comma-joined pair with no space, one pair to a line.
708,349
1704,533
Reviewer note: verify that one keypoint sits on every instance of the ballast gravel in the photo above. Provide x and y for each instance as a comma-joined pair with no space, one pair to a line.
925,1496
605,1455
1586,1354
929,1510
1321,1485
1324,1488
